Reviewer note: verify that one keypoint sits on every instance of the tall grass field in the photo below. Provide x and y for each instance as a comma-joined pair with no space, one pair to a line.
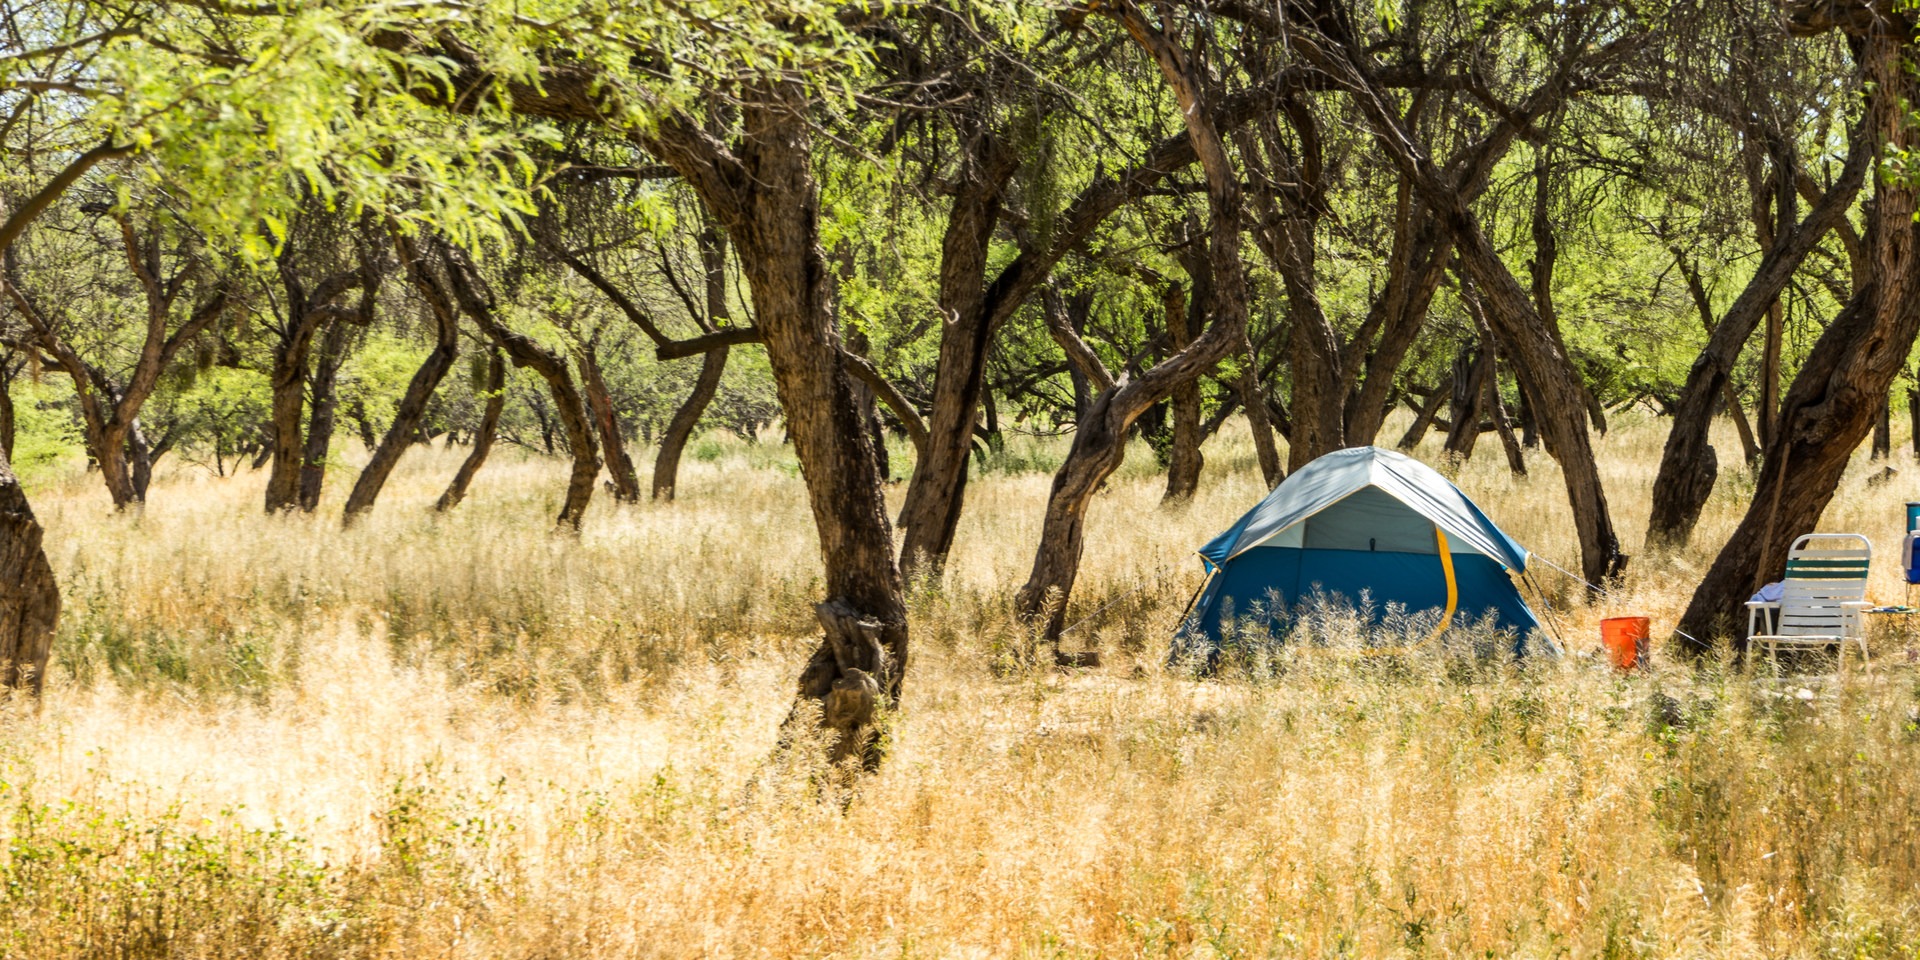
464,736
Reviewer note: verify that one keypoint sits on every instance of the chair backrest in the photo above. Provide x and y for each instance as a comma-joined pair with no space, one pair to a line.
1821,582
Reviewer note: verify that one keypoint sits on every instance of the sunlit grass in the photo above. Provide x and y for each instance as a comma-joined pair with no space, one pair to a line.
465,735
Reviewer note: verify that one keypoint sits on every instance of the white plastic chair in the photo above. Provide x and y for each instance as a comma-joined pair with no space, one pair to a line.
1822,599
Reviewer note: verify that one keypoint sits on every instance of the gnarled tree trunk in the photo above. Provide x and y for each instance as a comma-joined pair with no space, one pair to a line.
666,466
1253,398
29,597
861,663
1471,372
8,373
1688,467
1423,417
713,365
109,409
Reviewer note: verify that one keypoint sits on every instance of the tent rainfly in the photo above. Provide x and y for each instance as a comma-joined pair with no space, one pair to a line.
1364,521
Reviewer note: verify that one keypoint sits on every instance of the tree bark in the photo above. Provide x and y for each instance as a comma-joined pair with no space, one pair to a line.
1252,399
413,404
1913,418
29,596
626,482
6,417
716,336
323,401
1418,265
1883,430
937,489
496,389
1184,461
1516,459
666,466
1834,399
1423,419
1471,373
287,380
1687,468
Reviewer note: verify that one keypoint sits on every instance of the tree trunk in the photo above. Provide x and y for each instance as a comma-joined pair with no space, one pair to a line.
29,597
1252,400
763,193
1423,420
323,401
6,418
496,389
1529,429
140,459
288,383
1834,399
666,466
1546,256
1770,208
108,409
626,483
1687,468
1516,460
306,314
1913,418
937,489
1552,378
1286,237
713,364
413,404
1471,373
1184,460
1749,444
1883,430
861,663
1770,370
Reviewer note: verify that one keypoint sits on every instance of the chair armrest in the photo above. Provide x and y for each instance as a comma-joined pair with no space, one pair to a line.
1856,610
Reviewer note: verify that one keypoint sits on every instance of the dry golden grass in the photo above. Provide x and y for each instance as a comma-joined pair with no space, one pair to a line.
462,736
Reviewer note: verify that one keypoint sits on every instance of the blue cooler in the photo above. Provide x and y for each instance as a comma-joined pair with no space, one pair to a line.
1909,561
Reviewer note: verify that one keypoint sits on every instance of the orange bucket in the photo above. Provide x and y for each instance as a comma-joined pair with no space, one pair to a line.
1625,639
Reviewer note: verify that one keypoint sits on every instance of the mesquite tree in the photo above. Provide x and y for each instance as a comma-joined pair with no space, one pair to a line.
1842,387
181,295
313,296
1099,440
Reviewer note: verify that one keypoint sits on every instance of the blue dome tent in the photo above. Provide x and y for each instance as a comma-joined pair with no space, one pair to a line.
1363,521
